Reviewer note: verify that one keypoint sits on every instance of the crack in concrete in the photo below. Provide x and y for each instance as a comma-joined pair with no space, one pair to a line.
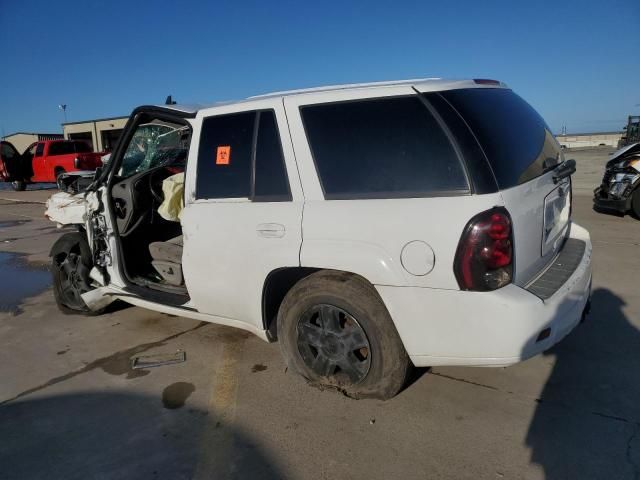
105,363
552,403
455,379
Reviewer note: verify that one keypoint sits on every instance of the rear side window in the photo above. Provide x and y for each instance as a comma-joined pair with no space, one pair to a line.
39,149
271,183
514,137
240,156
81,147
381,148
61,148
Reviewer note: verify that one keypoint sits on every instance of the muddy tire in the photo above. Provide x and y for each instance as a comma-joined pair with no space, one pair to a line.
335,331
70,266
19,185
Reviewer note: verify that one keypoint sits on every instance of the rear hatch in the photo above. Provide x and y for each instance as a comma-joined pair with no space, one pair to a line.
524,156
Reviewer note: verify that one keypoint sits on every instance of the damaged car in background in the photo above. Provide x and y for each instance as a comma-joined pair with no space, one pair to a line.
620,187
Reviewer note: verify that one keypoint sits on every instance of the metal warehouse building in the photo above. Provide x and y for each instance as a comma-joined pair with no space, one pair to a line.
102,134
21,140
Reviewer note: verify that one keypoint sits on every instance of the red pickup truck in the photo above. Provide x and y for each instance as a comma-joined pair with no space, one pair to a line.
44,161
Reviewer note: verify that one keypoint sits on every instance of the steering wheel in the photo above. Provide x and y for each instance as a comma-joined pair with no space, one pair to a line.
158,196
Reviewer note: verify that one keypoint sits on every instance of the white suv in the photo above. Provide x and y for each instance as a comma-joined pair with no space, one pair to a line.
365,227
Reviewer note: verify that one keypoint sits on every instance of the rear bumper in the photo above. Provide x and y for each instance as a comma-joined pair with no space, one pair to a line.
500,328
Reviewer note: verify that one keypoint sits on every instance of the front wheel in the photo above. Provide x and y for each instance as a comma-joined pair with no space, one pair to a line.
70,267
335,331
635,203
19,185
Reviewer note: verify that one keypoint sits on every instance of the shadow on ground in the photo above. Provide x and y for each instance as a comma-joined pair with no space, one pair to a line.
587,421
113,435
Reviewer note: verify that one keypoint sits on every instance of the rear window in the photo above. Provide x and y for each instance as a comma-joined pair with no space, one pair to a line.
514,137
65,148
381,148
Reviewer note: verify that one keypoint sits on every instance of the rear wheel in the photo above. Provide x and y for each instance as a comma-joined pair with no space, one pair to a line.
335,331
19,185
70,267
56,173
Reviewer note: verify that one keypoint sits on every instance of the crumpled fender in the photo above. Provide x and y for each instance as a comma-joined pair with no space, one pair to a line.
67,209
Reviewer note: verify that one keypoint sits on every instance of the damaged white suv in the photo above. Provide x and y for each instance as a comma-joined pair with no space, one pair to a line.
365,227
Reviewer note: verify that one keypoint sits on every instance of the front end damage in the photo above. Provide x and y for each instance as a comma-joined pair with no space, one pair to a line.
66,209
85,212
620,181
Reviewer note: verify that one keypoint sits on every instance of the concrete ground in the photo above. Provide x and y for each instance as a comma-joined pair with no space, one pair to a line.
71,406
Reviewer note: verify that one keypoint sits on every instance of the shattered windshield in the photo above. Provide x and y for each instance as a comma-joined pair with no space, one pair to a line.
155,144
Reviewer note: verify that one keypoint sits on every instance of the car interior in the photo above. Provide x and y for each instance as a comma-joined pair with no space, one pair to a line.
151,243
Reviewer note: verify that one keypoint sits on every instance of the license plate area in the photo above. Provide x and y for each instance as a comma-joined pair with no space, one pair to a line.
557,206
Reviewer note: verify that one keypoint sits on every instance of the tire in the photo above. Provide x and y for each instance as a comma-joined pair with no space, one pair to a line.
635,203
56,173
336,332
70,266
19,185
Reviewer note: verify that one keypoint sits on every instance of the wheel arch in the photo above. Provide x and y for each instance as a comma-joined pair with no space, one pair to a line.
67,240
279,282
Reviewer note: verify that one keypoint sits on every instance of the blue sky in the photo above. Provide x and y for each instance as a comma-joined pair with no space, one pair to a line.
575,61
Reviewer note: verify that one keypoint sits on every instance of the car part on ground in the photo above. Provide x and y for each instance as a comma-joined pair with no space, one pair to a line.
620,187
158,360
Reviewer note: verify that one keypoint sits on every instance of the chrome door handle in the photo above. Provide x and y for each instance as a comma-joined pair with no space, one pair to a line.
271,230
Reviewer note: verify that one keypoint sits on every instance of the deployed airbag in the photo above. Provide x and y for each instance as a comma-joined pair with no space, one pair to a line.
173,190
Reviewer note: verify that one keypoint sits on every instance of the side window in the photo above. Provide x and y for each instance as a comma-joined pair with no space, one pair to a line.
39,149
236,161
224,156
381,148
271,182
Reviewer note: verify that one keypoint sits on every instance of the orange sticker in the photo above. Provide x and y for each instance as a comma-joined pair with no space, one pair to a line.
223,155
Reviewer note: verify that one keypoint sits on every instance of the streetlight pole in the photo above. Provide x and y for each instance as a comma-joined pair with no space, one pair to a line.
63,107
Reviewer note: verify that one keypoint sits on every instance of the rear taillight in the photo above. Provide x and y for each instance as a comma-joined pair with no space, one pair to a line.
484,259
